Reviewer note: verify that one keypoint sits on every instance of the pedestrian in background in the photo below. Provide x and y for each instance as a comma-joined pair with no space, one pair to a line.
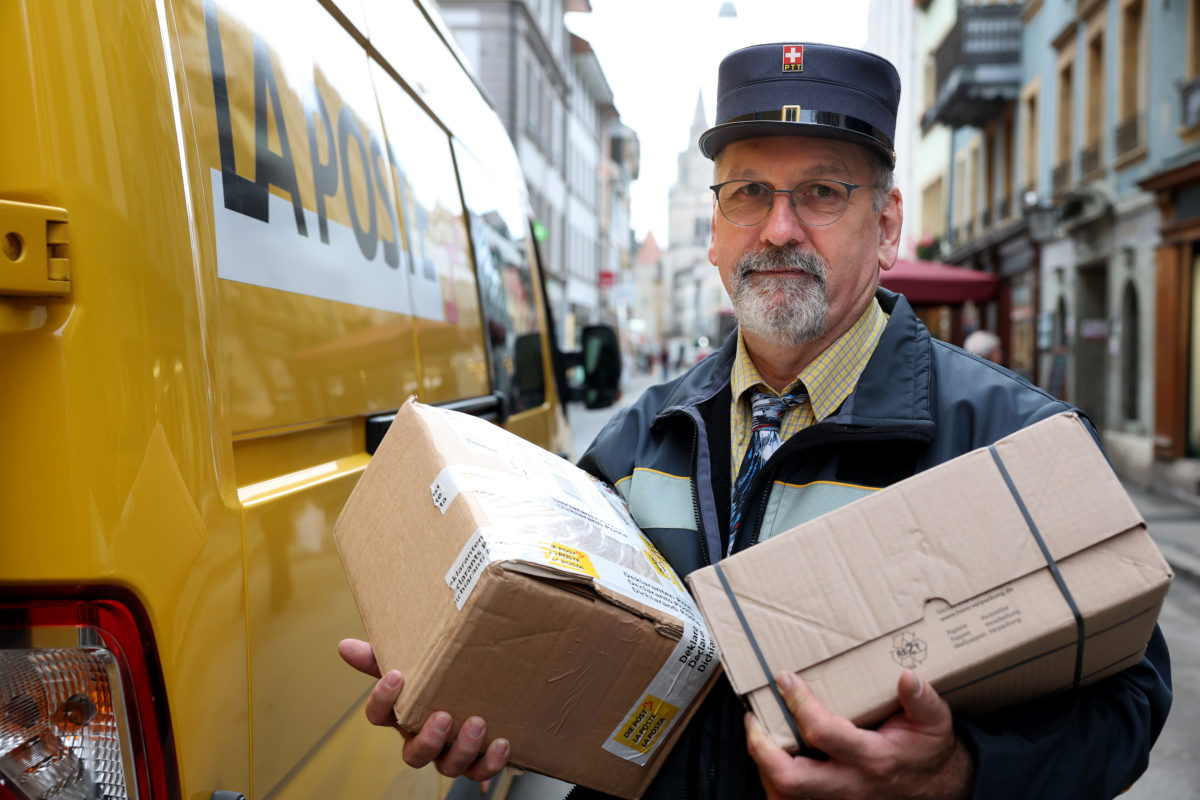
984,344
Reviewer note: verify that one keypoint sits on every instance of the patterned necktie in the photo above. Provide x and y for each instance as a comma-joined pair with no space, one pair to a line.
766,415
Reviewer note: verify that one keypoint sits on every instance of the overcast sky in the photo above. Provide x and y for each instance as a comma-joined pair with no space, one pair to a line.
659,54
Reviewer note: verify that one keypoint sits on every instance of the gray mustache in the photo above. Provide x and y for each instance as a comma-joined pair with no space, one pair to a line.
782,259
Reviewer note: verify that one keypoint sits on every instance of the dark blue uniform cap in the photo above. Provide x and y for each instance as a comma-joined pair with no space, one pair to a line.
807,90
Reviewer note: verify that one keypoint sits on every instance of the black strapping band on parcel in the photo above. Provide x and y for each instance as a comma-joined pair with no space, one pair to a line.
1058,578
762,659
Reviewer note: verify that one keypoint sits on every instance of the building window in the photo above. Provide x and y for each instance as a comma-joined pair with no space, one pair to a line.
990,209
1007,164
931,81
1193,43
1131,122
933,213
1130,354
1066,96
1090,158
1030,130
974,190
959,214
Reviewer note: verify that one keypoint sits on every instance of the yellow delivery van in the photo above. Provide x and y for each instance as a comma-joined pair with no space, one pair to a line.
234,237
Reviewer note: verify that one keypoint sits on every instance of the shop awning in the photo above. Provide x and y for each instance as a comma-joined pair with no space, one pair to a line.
930,282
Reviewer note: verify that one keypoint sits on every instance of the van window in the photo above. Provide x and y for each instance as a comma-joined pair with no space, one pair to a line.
445,297
500,235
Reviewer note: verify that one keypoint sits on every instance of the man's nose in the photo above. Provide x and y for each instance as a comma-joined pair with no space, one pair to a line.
782,225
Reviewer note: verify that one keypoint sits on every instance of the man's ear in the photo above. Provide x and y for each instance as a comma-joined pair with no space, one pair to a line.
891,220
712,236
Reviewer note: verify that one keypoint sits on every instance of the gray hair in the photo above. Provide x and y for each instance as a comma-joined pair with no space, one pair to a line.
884,179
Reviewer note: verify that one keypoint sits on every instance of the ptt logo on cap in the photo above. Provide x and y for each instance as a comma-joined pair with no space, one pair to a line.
793,58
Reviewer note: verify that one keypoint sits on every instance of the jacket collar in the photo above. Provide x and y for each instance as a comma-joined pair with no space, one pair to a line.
894,391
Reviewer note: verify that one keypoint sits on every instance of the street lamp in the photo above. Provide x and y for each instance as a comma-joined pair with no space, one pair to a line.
1041,216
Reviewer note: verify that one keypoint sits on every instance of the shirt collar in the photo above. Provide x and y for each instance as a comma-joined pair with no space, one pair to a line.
832,375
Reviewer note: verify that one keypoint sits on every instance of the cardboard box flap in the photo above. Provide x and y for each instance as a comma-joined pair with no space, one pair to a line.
666,623
884,558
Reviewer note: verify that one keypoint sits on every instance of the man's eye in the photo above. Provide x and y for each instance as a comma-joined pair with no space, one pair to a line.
752,190
817,190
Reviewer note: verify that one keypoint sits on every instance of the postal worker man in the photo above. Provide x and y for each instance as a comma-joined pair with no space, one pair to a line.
830,388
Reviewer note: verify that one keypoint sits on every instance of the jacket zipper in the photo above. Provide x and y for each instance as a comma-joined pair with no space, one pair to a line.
704,554
765,478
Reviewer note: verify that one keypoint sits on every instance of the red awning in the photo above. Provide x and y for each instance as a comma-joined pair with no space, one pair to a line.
929,282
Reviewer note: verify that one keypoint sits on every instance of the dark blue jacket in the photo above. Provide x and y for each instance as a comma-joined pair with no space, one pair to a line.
919,402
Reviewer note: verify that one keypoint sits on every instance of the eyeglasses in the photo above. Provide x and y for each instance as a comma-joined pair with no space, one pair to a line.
817,202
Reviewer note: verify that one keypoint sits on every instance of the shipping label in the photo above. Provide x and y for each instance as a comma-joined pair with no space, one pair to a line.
646,725
467,568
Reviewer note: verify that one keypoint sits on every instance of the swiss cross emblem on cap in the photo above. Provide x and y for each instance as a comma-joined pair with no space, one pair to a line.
793,58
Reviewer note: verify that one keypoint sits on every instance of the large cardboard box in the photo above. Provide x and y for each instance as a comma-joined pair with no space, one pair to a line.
505,582
943,573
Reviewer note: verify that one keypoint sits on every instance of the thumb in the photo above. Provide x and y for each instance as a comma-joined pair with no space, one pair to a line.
921,703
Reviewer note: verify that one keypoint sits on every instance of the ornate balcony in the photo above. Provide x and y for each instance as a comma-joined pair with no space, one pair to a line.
1060,179
1189,97
1089,160
977,66
1131,135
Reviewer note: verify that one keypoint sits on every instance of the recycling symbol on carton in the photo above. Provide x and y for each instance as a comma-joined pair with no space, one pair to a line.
908,650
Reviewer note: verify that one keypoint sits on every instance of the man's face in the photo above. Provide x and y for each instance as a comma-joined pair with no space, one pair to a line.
792,283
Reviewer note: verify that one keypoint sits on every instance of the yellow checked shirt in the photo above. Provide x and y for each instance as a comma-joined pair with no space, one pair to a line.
829,379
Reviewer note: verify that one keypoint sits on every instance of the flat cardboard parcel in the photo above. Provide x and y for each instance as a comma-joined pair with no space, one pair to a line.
941,573
505,582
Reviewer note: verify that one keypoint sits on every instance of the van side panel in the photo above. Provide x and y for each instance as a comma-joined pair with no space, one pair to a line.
268,244
328,260
107,414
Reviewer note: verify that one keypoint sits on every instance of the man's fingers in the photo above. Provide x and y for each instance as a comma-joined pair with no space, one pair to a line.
921,703
429,742
772,760
360,655
494,759
836,736
383,698
465,748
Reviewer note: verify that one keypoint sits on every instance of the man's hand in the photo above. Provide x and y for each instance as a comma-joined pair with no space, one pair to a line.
460,754
914,754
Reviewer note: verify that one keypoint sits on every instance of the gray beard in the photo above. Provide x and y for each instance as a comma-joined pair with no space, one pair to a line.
795,318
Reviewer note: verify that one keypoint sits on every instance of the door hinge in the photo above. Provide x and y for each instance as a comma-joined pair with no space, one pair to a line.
33,250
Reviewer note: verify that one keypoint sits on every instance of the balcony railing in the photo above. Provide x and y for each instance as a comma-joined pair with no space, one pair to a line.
1189,96
1130,134
977,66
1089,160
1060,179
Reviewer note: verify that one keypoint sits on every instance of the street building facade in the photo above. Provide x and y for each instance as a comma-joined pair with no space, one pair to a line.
1072,173
578,158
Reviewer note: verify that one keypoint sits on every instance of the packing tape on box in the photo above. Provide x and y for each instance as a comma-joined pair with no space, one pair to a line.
1080,633
566,510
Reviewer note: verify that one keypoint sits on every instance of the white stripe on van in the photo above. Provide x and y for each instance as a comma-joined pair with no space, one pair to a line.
276,256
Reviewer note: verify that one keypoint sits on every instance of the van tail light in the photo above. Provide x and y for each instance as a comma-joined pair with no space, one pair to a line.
82,709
